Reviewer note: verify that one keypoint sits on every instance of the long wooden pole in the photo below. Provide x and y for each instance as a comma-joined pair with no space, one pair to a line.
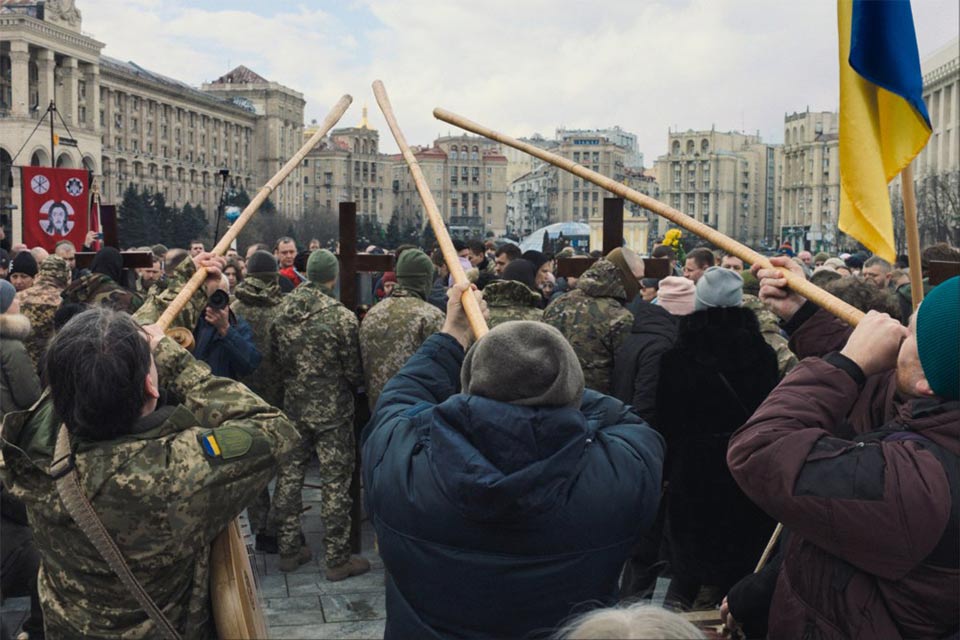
913,235
174,308
474,315
798,283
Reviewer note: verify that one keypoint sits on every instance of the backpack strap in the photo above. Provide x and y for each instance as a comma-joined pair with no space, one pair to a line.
64,472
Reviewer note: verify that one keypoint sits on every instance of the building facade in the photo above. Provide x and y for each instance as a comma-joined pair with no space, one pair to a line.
133,126
633,159
579,200
532,200
941,93
726,180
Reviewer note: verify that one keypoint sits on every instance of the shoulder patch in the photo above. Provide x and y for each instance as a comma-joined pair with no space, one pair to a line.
225,443
416,409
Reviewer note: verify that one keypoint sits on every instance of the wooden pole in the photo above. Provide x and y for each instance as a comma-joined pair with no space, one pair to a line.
174,308
913,234
798,283
470,304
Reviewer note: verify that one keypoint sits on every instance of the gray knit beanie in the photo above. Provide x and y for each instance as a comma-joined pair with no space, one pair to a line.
7,292
719,287
524,363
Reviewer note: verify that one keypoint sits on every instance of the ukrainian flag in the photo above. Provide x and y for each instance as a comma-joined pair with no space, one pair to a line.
883,120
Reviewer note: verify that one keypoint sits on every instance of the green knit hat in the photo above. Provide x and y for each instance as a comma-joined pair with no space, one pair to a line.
322,266
415,272
938,338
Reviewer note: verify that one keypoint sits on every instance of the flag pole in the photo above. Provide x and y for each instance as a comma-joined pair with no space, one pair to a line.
913,235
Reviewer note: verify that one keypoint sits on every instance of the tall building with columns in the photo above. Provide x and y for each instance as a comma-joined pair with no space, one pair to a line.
133,126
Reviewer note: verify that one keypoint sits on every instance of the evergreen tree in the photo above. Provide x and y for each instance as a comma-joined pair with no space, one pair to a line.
133,222
393,235
428,240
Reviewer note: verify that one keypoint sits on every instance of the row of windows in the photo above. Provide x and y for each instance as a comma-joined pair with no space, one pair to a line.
691,146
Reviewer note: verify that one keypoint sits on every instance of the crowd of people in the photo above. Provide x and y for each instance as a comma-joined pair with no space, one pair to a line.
611,432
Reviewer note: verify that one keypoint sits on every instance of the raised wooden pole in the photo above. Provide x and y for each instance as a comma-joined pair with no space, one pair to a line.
798,283
913,234
470,305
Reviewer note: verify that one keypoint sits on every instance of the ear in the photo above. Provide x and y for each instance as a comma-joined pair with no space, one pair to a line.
151,388
922,387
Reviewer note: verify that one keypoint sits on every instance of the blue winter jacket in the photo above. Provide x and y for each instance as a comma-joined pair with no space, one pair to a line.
231,356
497,520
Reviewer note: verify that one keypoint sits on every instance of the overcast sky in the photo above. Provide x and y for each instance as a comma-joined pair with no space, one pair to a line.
518,66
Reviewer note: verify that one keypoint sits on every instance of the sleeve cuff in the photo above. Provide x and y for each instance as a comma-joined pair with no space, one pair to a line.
803,314
846,365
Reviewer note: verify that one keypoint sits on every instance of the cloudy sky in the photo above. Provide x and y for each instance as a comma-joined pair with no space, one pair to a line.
519,66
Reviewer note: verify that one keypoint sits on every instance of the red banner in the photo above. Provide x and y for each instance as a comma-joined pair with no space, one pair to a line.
55,206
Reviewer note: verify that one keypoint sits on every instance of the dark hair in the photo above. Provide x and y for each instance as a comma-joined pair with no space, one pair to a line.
663,251
260,246
200,242
65,313
276,247
476,246
174,258
822,277
96,366
235,264
864,296
703,257
512,251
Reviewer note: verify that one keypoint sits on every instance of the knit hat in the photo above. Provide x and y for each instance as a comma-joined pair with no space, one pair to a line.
821,257
524,363
630,283
24,263
322,266
391,276
415,272
7,292
523,271
718,287
938,338
56,268
833,263
108,262
261,262
676,295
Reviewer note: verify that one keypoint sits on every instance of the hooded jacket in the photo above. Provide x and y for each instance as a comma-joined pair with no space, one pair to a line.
19,385
100,289
636,365
510,300
257,300
593,319
874,520
487,514
40,302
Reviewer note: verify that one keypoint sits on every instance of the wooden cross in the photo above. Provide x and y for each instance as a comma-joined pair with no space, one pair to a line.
612,238
351,265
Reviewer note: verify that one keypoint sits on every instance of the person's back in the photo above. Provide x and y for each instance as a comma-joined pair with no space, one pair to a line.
515,297
395,327
40,302
101,287
485,502
164,484
594,321
257,300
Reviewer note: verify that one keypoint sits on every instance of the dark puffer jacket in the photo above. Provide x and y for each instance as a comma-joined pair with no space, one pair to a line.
717,374
496,520
874,550
636,365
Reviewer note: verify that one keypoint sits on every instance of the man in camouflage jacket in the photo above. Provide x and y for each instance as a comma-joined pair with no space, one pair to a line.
179,275
101,287
41,301
593,318
394,328
515,296
314,341
165,477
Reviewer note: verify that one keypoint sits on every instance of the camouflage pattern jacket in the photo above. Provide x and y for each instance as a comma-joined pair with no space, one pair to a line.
770,328
157,303
97,289
592,317
314,341
509,300
163,492
391,332
41,301
257,301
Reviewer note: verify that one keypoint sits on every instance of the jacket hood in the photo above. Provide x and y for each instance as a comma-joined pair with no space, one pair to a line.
259,292
14,326
722,336
652,319
55,270
307,300
496,460
83,289
507,293
602,280
936,419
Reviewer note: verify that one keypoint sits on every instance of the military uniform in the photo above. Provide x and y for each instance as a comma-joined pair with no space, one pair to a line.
164,492
154,306
592,317
391,332
511,300
41,301
314,340
770,328
97,289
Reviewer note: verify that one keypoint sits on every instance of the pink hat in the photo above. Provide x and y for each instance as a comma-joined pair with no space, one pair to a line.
677,295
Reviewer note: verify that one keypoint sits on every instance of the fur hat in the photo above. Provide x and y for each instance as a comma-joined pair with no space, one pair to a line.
719,287
524,363
676,295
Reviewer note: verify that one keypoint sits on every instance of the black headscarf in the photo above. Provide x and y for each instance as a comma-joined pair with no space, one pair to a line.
521,270
108,262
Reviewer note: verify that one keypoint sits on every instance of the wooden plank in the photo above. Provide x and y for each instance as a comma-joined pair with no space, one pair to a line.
612,224
942,271
131,259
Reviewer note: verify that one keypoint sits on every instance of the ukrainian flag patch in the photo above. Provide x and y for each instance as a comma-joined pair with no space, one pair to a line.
210,446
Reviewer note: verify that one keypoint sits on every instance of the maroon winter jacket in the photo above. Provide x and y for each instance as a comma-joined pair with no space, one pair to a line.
874,550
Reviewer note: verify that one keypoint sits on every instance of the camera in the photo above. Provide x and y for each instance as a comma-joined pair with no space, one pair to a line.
218,300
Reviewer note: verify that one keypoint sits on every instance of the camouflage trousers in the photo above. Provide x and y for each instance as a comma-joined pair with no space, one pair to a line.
259,514
335,450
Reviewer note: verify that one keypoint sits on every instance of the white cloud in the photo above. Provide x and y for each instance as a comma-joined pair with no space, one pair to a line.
518,67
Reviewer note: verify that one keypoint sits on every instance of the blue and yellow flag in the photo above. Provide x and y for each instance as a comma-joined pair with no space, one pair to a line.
883,120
